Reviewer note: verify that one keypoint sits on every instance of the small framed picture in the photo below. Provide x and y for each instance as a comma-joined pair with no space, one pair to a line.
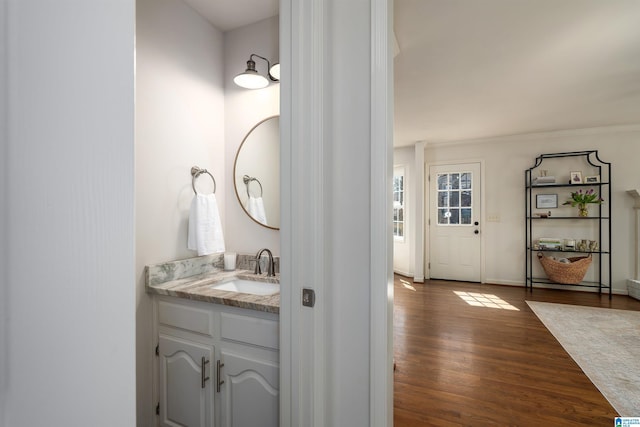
592,179
546,201
576,177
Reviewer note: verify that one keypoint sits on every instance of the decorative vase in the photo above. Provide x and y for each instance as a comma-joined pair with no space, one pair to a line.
582,209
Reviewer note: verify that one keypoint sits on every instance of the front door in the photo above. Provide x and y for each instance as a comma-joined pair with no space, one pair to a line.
454,222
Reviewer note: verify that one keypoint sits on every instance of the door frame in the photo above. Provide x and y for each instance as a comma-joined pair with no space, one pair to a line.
426,207
304,336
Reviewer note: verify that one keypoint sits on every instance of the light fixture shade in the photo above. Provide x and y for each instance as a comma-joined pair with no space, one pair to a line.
250,79
275,71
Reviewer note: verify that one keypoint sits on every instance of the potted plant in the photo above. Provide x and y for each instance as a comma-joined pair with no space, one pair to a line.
582,199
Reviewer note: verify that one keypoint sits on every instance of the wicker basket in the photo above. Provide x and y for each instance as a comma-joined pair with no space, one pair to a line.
567,274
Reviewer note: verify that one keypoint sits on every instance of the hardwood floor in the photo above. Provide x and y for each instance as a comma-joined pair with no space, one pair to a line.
464,365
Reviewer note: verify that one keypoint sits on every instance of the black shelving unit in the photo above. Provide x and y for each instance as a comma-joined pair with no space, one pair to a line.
601,262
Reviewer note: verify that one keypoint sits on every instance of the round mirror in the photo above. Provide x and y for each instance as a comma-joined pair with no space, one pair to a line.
256,173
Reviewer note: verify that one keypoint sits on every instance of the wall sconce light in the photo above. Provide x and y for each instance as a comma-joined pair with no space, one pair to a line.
275,70
251,79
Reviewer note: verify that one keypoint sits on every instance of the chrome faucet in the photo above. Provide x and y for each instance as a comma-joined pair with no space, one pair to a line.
270,264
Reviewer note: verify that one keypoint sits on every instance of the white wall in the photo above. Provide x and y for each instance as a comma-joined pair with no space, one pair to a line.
505,160
179,124
70,211
243,110
403,251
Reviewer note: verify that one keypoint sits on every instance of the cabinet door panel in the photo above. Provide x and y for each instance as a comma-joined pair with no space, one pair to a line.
250,393
183,401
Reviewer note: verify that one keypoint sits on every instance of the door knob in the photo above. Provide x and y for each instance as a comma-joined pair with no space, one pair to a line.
476,231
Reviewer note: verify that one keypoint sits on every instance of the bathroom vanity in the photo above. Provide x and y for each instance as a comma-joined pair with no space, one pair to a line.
217,353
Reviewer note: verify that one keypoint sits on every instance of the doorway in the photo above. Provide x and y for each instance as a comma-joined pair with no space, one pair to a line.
454,222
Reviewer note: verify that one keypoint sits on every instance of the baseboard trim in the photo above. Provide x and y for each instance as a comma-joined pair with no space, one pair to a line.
503,282
402,273
614,291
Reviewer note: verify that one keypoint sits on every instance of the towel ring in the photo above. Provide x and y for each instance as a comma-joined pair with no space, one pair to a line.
247,180
196,172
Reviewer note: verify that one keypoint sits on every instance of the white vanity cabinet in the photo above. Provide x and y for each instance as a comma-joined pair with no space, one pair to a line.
250,372
217,365
185,395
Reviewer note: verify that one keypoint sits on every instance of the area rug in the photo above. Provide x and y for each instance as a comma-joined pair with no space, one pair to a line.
605,343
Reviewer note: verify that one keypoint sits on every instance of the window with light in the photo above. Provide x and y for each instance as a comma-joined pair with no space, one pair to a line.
398,204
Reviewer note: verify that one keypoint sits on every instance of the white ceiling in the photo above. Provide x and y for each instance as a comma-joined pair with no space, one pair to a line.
227,15
470,69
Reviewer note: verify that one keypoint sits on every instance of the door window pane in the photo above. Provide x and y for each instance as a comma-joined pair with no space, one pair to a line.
443,218
454,199
443,181
455,181
454,191
465,180
465,216
465,197
443,199
455,217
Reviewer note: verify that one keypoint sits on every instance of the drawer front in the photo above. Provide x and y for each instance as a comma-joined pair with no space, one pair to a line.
250,330
185,317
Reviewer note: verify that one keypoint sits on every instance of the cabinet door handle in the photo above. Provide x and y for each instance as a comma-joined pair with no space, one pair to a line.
218,377
203,370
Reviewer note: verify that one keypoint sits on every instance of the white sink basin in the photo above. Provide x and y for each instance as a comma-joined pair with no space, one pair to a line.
249,287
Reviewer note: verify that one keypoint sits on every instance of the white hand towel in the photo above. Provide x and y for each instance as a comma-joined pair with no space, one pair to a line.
256,209
205,228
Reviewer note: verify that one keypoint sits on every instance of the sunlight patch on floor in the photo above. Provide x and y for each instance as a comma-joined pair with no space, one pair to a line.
484,300
407,285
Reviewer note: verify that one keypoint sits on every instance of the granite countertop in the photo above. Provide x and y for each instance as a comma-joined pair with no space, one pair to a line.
193,279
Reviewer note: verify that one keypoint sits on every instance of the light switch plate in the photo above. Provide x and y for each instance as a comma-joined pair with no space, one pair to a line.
494,217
